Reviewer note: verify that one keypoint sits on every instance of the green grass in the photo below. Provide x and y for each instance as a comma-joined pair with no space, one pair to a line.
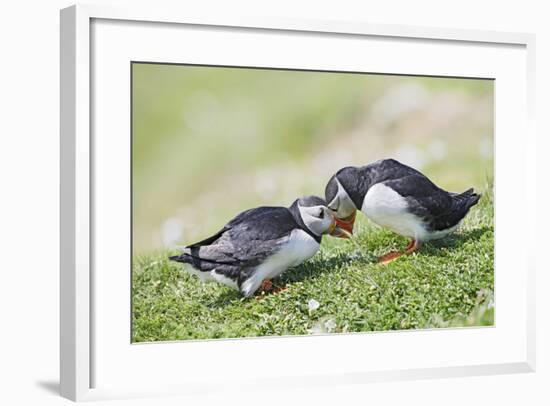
448,283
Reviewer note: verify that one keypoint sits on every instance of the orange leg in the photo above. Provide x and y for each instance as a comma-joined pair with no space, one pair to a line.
410,244
392,256
413,246
267,286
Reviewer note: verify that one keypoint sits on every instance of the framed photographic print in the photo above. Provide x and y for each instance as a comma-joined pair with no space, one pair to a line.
331,199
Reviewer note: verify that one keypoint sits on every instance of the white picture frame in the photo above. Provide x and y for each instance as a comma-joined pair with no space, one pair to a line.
78,346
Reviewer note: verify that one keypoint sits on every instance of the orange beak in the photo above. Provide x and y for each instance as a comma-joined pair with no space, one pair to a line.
344,227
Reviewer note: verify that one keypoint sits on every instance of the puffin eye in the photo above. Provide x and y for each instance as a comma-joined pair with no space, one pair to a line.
321,214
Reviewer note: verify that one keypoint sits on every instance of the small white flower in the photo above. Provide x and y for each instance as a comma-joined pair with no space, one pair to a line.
330,325
312,305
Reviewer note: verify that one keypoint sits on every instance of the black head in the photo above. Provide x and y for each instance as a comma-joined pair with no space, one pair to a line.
341,192
311,201
313,216
344,194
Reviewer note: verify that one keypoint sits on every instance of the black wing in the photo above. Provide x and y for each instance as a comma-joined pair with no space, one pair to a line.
358,180
236,220
387,169
244,242
437,207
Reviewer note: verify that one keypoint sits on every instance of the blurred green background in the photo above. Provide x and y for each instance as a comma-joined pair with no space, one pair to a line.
209,142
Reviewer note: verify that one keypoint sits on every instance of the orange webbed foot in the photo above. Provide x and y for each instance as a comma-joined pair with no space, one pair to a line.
413,246
389,257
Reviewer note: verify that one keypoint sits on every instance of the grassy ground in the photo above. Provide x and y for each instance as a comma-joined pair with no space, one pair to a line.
341,289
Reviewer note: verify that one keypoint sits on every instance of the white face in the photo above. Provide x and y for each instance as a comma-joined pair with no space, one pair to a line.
342,203
318,219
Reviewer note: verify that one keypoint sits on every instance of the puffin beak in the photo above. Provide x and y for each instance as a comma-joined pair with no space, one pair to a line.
343,228
345,225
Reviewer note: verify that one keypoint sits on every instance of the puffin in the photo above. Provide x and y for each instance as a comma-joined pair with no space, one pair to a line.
261,243
399,198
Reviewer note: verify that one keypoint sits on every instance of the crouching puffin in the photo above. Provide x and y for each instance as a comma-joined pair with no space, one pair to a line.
261,243
397,197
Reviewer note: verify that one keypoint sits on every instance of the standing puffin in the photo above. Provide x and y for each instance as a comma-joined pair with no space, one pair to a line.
261,243
399,198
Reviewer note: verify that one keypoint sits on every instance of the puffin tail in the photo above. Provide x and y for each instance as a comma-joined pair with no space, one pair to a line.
193,259
194,266
467,199
184,257
176,258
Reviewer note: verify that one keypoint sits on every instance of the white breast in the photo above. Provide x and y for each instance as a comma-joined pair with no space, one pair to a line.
299,247
387,208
